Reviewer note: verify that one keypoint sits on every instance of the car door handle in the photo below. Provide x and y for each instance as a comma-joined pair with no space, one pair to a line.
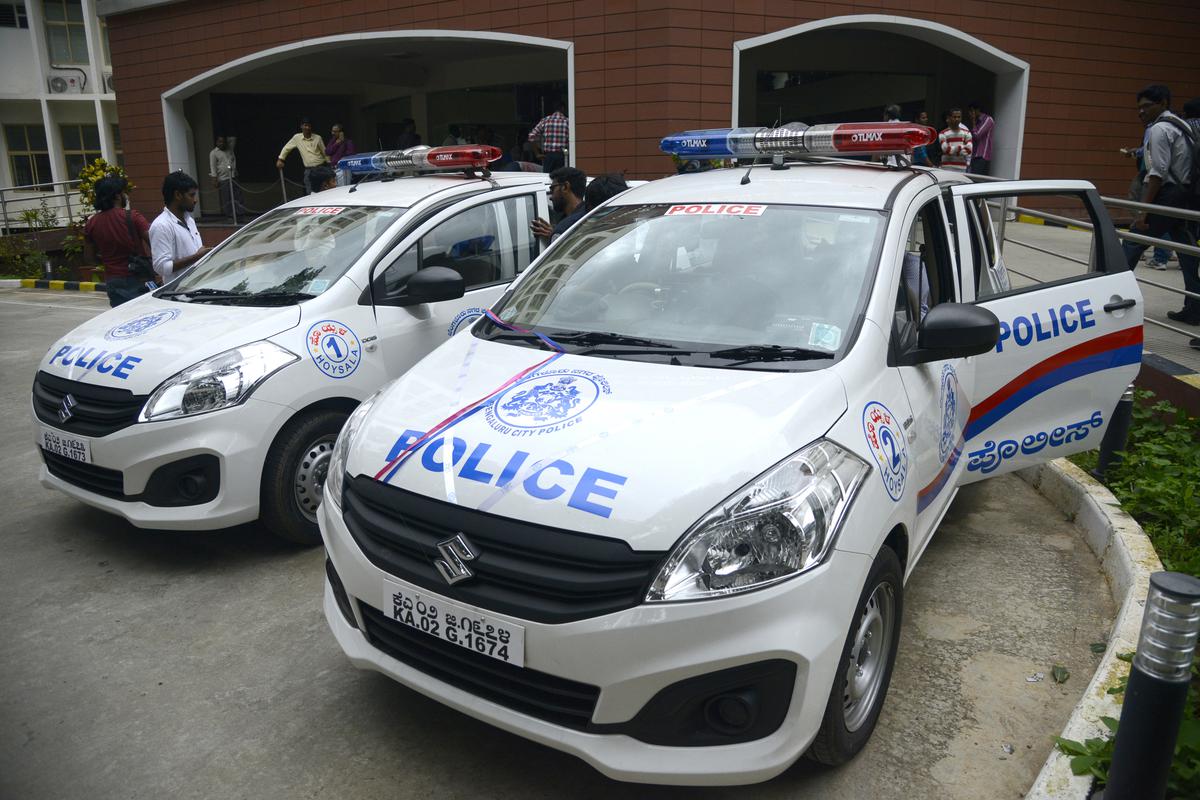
1120,304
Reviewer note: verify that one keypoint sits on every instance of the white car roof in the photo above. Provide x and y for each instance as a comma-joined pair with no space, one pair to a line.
844,184
409,190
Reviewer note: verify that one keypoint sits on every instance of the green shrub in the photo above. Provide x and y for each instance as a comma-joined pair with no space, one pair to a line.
1156,482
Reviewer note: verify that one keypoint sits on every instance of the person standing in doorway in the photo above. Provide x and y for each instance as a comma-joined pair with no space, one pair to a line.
112,236
553,134
955,142
982,127
340,145
222,169
920,155
311,147
175,243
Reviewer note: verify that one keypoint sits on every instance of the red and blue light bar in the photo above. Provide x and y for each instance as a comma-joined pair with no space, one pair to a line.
460,156
847,138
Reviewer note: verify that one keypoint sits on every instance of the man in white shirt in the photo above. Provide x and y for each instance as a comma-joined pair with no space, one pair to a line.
174,241
222,168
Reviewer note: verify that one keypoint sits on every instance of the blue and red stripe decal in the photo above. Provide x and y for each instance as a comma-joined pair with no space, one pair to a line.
930,492
1116,349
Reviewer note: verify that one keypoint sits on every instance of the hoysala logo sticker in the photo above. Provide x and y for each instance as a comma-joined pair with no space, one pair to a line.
464,318
334,348
949,413
546,402
886,442
139,325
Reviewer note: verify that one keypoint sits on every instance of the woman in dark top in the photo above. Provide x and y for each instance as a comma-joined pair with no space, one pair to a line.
106,239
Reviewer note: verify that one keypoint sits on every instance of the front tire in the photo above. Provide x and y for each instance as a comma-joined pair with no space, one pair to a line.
294,475
860,684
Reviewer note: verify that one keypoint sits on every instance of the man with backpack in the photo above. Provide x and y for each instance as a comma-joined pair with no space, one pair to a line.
1172,158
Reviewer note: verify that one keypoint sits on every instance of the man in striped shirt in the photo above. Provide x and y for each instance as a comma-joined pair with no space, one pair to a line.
955,141
554,133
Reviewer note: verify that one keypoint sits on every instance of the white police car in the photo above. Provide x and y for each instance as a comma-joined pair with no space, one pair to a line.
218,398
657,508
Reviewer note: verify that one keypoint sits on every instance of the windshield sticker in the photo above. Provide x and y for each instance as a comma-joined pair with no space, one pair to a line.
464,318
989,457
324,211
547,402
827,337
334,348
854,218
317,286
139,325
726,209
118,365
886,442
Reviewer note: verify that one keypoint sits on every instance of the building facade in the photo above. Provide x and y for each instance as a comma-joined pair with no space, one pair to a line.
58,109
1059,76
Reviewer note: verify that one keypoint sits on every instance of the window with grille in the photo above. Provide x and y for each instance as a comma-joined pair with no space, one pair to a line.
65,37
28,156
81,146
12,15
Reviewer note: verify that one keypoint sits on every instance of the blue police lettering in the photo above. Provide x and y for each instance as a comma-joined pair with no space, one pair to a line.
1041,326
118,365
548,482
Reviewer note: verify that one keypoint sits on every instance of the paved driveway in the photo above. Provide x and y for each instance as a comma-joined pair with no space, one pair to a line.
144,664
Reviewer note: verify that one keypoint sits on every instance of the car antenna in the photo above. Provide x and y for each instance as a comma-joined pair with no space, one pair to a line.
776,161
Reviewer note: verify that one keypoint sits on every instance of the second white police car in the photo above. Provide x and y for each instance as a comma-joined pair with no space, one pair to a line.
216,400
658,507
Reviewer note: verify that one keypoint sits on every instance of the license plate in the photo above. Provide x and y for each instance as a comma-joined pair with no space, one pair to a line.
61,444
457,624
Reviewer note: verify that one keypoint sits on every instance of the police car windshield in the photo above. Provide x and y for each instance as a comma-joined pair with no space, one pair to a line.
706,277
288,251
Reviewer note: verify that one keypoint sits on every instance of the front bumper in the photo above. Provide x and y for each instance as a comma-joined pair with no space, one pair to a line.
238,437
631,655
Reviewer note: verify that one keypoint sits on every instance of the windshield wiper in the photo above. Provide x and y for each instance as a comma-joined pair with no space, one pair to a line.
204,294
751,353
283,296
593,338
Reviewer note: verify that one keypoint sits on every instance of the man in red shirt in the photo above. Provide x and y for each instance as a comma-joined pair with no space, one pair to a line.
106,238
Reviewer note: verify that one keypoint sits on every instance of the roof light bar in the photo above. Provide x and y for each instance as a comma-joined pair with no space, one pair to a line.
796,138
462,156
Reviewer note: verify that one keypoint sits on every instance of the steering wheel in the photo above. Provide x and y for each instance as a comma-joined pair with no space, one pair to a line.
638,286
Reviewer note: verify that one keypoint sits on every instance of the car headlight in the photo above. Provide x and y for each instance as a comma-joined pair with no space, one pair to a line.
341,448
224,380
780,525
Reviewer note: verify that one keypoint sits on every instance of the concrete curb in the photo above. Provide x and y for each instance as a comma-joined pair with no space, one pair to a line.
1127,559
35,283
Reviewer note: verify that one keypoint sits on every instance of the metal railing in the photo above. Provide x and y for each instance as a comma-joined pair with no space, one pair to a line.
16,202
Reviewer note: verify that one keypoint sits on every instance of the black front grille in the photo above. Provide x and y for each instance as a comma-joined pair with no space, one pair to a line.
528,571
108,482
546,697
98,410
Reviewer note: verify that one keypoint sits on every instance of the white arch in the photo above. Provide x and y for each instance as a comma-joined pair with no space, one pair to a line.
179,151
1012,74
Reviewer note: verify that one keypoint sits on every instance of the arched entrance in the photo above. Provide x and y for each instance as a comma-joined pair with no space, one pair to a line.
849,67
370,83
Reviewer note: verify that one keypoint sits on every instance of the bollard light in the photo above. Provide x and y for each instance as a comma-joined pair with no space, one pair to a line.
1157,689
1116,436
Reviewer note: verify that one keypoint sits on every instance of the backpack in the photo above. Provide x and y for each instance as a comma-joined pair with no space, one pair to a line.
1192,181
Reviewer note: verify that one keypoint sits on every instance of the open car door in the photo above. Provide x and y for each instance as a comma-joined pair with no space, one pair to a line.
1070,327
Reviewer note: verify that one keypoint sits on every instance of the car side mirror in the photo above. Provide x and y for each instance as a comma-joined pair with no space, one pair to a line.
953,330
429,285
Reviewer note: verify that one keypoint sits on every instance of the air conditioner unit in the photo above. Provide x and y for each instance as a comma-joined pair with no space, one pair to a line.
66,82
109,86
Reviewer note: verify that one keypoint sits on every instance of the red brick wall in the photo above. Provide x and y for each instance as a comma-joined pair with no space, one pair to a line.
647,67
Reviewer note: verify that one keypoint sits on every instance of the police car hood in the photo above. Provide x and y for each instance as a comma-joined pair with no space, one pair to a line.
616,448
138,345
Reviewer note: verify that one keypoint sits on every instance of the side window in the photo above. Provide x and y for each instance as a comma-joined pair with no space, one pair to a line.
926,277
485,244
990,276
